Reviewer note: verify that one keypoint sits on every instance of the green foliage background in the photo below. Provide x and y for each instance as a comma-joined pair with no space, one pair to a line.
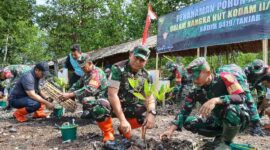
32,32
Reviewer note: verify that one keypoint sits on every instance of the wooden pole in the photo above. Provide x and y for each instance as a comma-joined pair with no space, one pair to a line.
205,52
56,68
102,64
265,50
156,61
198,52
6,49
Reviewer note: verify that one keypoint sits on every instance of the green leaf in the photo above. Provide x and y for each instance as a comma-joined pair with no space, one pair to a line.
168,90
156,94
60,82
162,96
153,87
162,89
147,88
133,82
139,96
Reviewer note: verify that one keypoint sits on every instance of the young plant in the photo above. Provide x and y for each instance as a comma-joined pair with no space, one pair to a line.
147,89
161,94
61,83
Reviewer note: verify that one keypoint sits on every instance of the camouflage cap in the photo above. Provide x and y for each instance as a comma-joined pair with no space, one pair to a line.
195,67
83,59
257,66
170,66
141,52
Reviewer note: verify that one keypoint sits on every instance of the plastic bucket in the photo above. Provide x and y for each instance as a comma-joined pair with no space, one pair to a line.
234,146
3,104
58,111
69,131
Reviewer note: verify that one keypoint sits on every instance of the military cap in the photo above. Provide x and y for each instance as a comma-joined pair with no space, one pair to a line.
141,52
83,59
195,67
257,66
170,66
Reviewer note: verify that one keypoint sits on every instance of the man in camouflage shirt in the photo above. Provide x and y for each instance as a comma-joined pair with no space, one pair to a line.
255,72
223,99
90,89
126,107
10,74
179,74
265,106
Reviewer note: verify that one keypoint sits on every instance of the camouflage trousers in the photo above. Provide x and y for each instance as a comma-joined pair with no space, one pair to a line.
180,92
100,109
233,115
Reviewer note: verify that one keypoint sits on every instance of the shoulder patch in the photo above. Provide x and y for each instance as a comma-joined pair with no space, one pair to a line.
232,85
228,77
95,81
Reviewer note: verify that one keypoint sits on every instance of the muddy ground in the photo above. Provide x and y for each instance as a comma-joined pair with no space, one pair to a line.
42,134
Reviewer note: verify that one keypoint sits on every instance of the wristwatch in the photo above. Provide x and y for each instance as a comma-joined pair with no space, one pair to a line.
153,112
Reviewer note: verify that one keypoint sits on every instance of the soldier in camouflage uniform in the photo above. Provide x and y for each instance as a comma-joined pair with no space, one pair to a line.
126,107
265,106
10,74
179,74
254,72
90,89
223,97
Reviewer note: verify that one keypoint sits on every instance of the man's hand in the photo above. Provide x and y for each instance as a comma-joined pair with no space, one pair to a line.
125,126
168,133
65,96
149,121
49,105
208,106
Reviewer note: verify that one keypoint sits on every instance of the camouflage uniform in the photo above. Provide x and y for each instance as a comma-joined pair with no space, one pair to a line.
254,72
14,71
132,106
90,90
179,74
229,84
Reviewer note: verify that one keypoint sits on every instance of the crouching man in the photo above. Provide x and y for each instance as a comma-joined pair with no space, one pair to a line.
26,96
222,96
126,107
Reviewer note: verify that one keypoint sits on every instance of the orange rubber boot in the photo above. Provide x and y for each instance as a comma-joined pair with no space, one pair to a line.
107,129
40,112
267,126
19,114
134,125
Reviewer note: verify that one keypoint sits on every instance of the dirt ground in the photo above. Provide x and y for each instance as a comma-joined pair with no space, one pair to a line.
42,134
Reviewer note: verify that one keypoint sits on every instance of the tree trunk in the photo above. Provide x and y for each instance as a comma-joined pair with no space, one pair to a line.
6,49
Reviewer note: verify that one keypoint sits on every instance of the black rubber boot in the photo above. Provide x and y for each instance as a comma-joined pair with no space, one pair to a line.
228,134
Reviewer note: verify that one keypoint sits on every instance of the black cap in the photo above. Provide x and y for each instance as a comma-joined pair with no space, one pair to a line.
76,47
44,67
